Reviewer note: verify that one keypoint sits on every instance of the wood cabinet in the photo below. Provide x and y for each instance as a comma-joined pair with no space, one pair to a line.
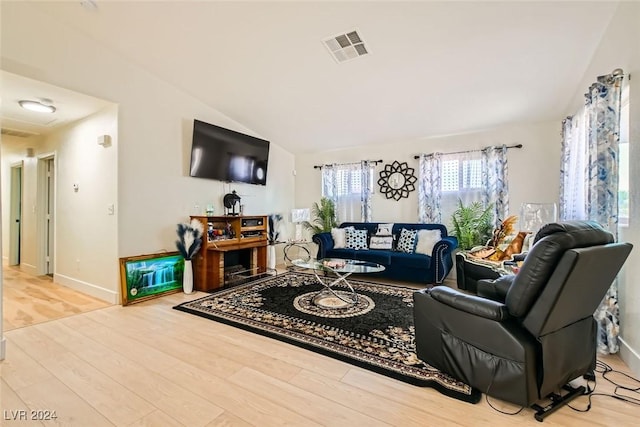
234,247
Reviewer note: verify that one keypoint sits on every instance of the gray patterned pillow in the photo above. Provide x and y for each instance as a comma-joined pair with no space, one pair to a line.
407,240
356,239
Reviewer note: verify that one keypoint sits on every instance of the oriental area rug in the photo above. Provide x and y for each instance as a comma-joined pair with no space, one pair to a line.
375,333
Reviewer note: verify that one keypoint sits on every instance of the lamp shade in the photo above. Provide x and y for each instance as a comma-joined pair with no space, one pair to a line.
300,215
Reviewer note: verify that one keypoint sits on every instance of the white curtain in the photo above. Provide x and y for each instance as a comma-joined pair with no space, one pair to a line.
573,172
350,186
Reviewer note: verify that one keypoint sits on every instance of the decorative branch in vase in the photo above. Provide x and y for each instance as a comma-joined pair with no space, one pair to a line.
273,236
188,244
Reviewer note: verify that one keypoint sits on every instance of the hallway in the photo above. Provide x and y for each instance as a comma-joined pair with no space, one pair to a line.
29,300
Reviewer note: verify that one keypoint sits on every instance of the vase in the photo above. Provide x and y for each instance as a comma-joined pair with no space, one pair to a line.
271,257
187,277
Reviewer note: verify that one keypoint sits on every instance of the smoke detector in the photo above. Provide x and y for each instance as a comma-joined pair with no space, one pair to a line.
346,46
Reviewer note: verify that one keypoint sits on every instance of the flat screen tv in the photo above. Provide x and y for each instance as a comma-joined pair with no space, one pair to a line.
226,155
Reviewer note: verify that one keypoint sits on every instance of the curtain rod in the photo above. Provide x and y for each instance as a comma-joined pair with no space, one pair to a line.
375,162
472,151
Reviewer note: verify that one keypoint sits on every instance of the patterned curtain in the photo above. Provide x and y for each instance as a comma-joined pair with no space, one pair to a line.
430,189
329,182
349,186
495,170
594,138
368,171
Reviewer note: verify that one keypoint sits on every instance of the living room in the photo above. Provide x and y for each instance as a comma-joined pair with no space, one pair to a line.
150,187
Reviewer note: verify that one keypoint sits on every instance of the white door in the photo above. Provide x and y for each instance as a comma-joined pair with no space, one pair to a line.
15,217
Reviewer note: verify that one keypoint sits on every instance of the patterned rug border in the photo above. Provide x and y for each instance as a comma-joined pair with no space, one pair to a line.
323,347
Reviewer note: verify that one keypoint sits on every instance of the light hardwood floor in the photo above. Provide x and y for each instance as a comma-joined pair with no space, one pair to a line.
149,365
34,299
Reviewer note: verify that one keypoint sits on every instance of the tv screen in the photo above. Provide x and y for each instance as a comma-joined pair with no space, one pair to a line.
226,155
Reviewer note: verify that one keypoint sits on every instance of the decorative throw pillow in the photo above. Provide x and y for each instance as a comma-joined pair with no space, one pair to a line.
407,240
385,229
427,239
381,242
356,239
339,237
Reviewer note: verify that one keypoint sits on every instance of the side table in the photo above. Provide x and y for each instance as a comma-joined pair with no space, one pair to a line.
296,249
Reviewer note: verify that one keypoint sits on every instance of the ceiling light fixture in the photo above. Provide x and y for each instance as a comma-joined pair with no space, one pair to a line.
37,106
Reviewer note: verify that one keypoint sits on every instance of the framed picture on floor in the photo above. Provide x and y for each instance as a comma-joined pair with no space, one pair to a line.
144,277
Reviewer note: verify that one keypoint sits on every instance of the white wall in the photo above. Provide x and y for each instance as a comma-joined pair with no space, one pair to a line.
620,48
154,131
85,232
533,170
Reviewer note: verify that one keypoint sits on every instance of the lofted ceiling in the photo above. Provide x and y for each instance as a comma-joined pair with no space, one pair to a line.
433,68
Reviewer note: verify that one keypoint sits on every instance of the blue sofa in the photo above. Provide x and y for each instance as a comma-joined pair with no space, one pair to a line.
398,265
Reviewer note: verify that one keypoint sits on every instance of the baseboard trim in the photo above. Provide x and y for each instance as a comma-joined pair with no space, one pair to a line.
629,356
28,268
88,288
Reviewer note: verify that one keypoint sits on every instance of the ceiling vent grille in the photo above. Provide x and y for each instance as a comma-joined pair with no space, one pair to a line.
346,46
18,133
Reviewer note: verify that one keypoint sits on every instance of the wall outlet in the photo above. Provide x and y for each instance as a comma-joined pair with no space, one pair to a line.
111,209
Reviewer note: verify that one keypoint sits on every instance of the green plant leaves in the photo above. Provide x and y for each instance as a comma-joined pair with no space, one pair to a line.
472,224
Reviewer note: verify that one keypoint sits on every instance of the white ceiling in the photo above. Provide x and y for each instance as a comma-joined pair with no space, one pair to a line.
435,67
16,121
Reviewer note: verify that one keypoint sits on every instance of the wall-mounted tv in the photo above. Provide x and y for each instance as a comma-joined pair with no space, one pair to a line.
226,155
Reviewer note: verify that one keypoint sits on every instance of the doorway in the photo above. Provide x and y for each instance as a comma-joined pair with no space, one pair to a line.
15,216
46,214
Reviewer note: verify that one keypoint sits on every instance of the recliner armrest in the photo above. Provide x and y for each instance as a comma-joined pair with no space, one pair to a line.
495,289
472,304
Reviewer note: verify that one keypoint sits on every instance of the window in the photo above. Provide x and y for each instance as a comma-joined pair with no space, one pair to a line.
350,186
349,181
461,176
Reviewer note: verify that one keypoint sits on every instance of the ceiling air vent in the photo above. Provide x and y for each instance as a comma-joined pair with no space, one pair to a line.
17,133
345,47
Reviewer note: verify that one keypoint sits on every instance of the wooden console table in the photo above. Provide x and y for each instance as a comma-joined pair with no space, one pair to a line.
225,238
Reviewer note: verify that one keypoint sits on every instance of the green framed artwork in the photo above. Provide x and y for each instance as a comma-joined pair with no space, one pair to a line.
144,277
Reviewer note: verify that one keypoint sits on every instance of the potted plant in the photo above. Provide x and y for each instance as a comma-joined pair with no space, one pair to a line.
273,236
324,214
188,244
472,224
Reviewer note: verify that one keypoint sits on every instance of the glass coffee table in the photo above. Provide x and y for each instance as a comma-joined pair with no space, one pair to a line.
342,268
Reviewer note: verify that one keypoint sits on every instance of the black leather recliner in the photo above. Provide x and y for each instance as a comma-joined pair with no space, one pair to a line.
526,335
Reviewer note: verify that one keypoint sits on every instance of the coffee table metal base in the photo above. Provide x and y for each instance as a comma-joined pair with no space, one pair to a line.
350,297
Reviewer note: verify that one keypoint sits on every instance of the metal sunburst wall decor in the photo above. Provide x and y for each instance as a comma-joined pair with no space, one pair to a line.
397,180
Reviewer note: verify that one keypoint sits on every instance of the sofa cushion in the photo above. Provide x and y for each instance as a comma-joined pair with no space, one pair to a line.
426,240
341,253
339,236
381,242
381,257
407,240
400,259
356,239
385,229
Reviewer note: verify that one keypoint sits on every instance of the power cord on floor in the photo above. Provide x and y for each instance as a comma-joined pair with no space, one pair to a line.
606,371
